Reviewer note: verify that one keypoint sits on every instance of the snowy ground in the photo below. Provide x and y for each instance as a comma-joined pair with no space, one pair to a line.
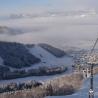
47,59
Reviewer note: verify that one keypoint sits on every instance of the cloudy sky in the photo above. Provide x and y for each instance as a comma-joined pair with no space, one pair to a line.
49,21
7,6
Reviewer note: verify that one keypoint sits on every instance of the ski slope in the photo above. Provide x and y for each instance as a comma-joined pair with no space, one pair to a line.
48,59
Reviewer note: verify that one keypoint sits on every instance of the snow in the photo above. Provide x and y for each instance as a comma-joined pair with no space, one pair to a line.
47,59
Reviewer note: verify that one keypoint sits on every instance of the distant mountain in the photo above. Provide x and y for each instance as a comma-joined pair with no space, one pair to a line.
16,55
73,13
22,60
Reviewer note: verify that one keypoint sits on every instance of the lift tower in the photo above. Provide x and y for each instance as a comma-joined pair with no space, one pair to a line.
92,62
91,90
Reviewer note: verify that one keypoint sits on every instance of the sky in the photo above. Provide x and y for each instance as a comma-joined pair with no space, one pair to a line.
57,22
7,6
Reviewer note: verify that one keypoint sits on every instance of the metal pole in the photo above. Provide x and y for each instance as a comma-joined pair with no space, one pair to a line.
91,91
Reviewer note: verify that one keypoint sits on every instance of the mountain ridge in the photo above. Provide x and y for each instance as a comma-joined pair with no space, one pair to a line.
22,59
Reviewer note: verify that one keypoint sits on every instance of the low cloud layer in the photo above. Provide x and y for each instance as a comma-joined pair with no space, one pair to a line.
57,28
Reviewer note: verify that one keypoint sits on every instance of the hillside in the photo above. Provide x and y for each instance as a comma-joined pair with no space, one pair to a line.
16,55
20,60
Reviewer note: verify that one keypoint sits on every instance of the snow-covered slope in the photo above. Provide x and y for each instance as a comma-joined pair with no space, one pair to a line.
17,52
47,59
